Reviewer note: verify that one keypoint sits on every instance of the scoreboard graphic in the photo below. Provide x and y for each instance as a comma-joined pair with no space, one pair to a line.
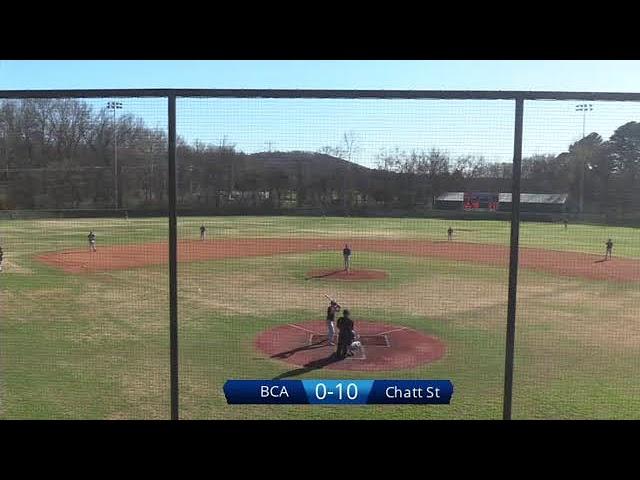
481,201
338,392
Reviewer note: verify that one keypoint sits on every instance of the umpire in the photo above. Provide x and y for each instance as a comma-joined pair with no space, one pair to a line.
345,334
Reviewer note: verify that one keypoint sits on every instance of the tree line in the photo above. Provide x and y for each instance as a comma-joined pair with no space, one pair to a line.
61,154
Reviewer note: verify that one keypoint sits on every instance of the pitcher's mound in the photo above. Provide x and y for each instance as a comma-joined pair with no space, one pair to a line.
353,275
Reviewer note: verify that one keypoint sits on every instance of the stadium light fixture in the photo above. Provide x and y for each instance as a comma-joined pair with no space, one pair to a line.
584,108
115,106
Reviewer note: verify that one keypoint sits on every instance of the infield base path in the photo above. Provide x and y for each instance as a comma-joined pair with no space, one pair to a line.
119,257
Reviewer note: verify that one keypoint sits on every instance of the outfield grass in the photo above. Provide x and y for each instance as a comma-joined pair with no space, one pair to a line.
96,346
43,235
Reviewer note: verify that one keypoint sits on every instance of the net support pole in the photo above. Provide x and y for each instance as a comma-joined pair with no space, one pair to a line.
173,261
513,261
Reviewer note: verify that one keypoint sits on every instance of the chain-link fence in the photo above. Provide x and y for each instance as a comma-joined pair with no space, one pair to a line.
156,243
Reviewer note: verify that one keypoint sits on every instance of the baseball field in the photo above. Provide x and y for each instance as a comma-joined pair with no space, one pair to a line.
86,334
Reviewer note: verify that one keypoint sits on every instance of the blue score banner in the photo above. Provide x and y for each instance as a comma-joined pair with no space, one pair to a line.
338,392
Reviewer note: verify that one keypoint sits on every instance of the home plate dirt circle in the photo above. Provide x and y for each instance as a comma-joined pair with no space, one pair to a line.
385,347
353,275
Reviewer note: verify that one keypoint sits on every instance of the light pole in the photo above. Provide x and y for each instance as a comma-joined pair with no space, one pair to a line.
115,106
584,108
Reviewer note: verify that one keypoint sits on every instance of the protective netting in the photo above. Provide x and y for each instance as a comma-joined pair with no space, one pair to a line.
80,336
270,193
281,186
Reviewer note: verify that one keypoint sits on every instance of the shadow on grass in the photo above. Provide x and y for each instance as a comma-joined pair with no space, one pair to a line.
309,367
328,274
312,346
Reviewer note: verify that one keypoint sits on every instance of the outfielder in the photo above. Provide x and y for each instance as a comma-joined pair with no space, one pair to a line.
92,241
1,256
203,232
607,253
450,233
346,254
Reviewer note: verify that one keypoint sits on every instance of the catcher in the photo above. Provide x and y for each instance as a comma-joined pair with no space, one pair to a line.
356,344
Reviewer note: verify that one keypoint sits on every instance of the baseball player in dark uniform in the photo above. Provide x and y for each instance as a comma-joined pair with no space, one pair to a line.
346,254
609,245
450,233
331,319
203,232
566,223
92,241
345,334
1,257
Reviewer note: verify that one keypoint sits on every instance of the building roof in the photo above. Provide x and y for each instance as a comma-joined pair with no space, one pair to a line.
553,198
543,198
451,197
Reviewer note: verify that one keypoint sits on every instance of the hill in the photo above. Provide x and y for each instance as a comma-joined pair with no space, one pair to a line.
292,163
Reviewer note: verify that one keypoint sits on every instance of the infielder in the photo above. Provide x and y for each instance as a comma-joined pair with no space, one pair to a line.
607,253
203,232
331,318
92,241
346,254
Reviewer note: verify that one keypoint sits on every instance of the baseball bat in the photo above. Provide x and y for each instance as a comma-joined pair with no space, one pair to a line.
331,299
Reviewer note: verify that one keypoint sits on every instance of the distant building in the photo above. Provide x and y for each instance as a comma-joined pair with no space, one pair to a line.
536,202
483,201
450,201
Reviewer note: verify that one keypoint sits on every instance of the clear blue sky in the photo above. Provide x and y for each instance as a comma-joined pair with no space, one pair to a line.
458,127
